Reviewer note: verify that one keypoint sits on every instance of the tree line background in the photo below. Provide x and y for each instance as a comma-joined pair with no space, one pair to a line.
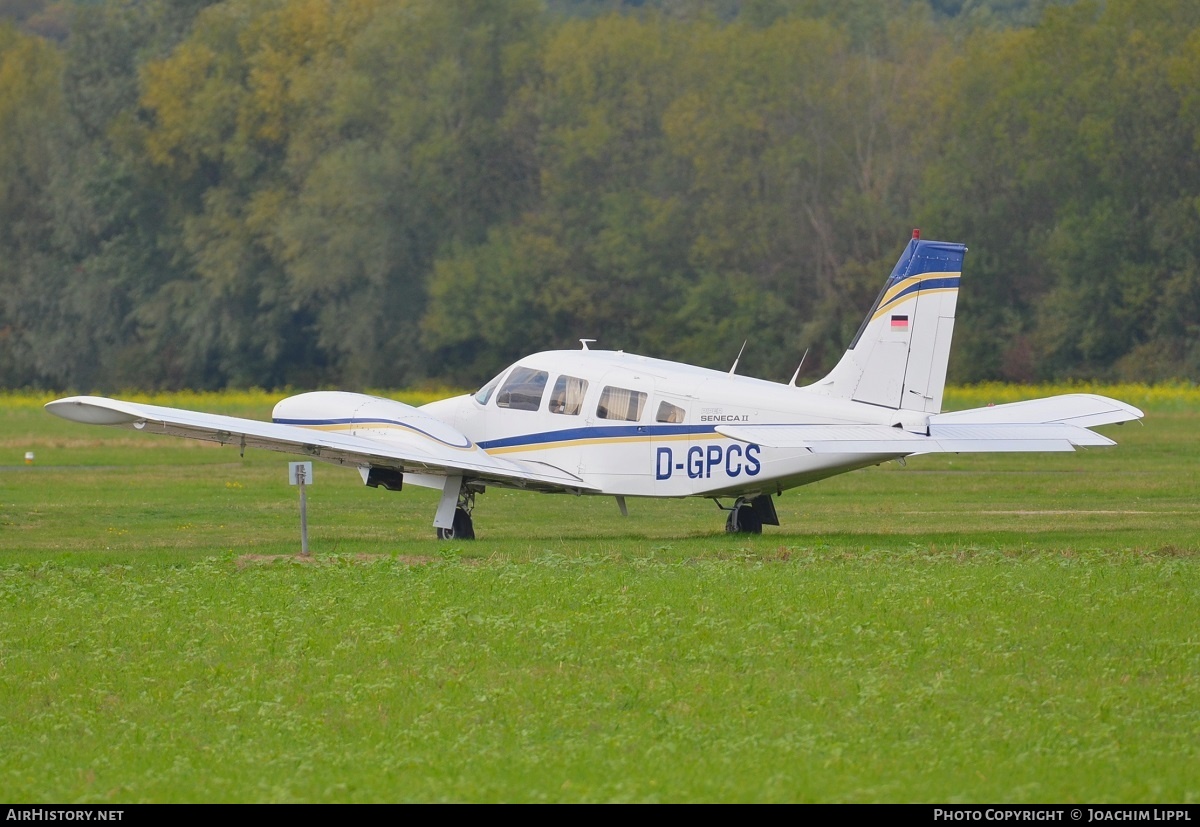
366,193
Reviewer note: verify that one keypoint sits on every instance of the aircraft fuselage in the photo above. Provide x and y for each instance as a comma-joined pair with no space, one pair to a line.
661,440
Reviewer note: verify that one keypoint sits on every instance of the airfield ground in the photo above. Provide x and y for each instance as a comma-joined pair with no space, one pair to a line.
1017,628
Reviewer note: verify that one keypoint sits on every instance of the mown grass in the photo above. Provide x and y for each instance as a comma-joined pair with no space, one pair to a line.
964,629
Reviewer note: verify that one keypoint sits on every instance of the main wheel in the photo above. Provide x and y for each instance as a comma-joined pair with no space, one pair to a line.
463,528
743,519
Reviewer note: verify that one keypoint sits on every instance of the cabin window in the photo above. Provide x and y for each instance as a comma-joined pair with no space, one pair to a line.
669,413
621,403
567,396
485,393
523,390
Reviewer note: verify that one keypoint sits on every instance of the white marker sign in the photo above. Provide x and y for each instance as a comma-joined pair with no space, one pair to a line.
295,469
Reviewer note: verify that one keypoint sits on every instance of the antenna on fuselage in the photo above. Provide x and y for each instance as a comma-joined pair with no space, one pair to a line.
797,373
584,342
733,369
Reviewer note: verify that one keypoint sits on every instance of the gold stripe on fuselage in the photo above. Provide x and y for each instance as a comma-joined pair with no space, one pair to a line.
612,440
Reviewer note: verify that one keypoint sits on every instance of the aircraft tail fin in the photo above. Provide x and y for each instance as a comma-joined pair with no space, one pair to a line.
898,358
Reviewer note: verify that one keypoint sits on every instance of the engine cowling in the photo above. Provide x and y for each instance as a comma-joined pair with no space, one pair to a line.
372,417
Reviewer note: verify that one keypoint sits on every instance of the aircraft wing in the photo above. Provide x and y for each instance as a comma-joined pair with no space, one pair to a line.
1055,424
413,455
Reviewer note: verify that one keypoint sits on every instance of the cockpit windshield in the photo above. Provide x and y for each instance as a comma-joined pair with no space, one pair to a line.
485,393
523,390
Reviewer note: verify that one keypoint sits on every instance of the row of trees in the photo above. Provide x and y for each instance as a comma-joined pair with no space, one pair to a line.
370,193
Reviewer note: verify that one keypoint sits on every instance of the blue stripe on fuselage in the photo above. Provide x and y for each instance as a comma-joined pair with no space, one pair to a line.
597,432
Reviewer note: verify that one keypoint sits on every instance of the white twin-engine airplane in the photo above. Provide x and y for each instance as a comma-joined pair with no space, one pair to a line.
615,424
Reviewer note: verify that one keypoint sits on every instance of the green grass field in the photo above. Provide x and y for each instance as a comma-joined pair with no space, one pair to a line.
1014,628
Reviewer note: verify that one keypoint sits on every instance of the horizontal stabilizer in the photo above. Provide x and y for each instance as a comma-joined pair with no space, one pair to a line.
426,446
883,440
1086,410
1008,432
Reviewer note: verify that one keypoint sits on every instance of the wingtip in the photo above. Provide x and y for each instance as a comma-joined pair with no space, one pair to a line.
1134,412
89,410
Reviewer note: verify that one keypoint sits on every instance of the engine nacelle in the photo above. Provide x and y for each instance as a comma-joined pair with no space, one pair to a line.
372,417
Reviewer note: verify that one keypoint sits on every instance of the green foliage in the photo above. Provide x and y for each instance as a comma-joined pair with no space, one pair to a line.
692,180
331,150
201,194
95,245
31,118
1086,239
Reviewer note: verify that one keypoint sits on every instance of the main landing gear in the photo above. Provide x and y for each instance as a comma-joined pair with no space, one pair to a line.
463,528
748,515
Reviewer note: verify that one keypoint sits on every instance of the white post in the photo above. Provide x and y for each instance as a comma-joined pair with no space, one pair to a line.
300,473
303,512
